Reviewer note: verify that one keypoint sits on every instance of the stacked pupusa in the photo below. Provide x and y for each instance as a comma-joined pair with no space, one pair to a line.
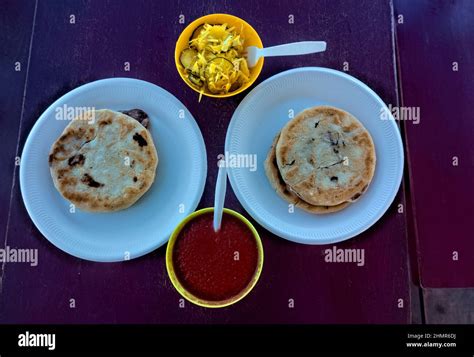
322,160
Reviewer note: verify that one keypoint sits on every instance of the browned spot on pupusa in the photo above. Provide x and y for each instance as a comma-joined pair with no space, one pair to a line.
67,181
105,122
61,173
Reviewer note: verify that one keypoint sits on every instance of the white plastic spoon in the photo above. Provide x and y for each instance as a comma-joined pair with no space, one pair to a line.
221,186
289,49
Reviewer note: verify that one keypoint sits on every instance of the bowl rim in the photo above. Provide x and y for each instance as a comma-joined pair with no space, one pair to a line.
199,21
188,295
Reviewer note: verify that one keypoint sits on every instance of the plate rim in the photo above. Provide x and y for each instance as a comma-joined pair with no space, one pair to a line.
398,178
31,134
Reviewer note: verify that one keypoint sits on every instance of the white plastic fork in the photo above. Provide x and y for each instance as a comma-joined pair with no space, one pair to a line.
289,49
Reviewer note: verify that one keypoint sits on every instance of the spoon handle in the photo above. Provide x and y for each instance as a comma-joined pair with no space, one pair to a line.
221,185
295,48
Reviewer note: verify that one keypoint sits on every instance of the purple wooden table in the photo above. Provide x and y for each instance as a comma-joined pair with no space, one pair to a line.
435,41
57,56
440,145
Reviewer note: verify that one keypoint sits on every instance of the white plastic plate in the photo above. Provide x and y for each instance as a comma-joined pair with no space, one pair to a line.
148,224
263,113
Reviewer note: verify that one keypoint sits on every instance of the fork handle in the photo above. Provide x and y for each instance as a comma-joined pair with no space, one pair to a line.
295,48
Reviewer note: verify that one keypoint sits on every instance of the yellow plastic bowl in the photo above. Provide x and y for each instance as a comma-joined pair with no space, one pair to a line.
177,284
248,33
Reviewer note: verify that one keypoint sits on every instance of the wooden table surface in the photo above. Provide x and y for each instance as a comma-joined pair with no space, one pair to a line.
435,46
57,56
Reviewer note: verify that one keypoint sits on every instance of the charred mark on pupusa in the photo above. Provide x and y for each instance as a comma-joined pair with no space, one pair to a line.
140,140
76,160
89,181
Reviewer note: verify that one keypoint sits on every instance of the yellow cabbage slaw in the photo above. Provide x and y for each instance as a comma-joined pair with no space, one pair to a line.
215,60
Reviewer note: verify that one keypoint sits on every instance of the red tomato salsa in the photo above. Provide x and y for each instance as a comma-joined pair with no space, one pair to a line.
215,266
